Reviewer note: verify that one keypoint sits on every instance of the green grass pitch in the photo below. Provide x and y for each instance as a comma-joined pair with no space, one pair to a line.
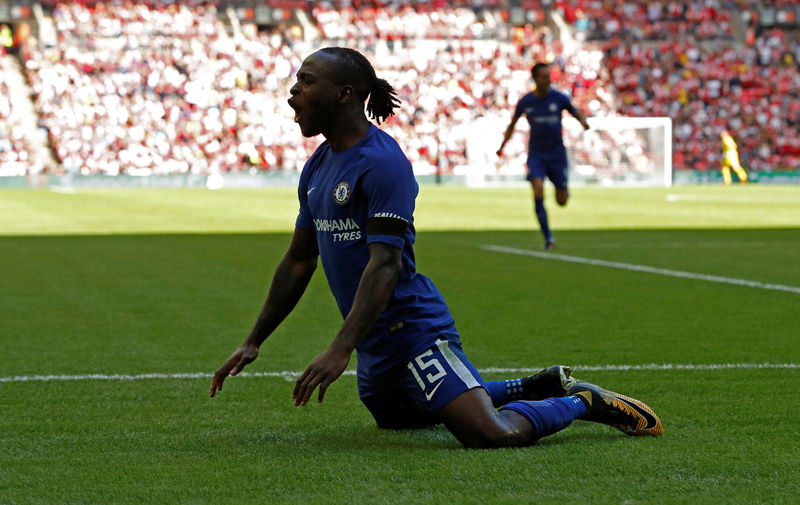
169,282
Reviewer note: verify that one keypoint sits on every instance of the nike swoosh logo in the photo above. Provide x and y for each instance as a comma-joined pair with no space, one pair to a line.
651,420
310,190
428,396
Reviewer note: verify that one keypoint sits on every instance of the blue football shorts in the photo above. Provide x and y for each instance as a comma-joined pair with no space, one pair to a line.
552,165
430,378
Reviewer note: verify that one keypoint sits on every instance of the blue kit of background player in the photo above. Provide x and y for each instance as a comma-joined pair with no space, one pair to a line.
547,156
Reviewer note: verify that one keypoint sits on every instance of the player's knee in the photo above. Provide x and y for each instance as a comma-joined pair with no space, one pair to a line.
562,197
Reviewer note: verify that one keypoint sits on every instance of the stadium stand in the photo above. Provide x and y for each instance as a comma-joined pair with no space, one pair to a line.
171,88
150,90
23,151
684,60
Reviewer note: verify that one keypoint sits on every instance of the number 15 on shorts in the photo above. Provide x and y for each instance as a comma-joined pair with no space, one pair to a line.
428,372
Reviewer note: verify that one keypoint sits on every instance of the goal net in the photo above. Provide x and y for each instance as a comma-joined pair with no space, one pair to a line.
620,151
615,151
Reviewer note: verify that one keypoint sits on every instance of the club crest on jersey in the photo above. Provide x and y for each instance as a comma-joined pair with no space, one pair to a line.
553,107
341,193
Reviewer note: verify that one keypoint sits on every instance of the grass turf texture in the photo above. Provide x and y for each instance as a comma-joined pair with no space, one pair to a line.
151,281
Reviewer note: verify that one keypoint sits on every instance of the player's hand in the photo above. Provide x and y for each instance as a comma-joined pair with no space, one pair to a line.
243,356
322,371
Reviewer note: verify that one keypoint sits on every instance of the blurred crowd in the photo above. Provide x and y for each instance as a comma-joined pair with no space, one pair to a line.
455,88
140,90
16,156
404,22
137,89
680,59
148,90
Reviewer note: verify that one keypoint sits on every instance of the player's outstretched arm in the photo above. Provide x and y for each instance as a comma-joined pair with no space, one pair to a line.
581,117
288,284
374,290
507,135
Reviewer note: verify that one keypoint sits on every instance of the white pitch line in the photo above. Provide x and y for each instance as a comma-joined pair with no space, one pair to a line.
642,268
654,367
684,245
289,375
143,376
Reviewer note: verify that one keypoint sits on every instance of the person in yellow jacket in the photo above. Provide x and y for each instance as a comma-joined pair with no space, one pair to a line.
6,39
730,159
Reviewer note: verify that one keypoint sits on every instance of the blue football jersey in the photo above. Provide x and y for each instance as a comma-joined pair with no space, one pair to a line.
339,192
544,116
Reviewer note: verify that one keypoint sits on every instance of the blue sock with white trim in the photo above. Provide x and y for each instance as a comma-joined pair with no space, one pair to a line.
505,391
551,415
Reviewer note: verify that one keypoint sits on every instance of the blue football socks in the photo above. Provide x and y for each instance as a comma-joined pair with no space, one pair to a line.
505,391
541,215
551,415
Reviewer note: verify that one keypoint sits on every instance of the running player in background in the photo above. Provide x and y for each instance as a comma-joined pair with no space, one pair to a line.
357,194
730,159
547,156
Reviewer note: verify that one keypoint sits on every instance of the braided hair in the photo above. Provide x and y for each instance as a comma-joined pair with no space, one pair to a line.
356,70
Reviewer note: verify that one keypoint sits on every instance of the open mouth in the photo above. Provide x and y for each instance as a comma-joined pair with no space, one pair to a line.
296,108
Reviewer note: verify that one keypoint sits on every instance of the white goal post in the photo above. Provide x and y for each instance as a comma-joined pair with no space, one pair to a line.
620,151
616,151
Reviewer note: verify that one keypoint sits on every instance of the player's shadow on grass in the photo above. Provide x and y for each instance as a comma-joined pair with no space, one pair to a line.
581,432
361,437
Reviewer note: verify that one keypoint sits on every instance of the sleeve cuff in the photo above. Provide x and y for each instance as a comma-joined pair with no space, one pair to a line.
392,240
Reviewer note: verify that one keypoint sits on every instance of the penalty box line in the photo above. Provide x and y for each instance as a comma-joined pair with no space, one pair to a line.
291,375
642,268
